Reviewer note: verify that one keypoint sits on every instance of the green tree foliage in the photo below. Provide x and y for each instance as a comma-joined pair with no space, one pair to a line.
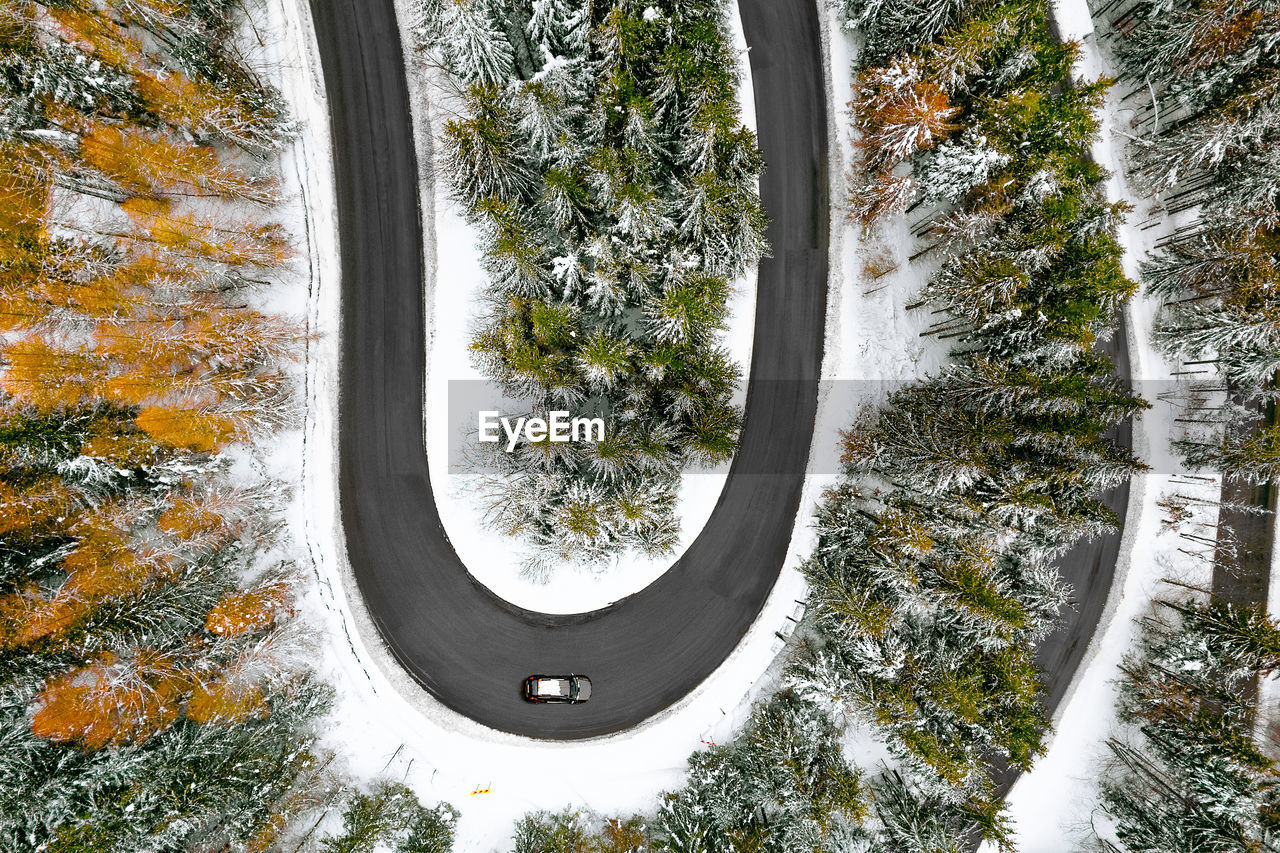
1213,141
1190,775
570,831
912,823
933,579
599,152
781,785
390,816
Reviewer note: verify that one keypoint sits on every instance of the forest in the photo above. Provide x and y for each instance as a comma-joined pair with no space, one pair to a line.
933,580
598,152
153,694
1196,766
154,689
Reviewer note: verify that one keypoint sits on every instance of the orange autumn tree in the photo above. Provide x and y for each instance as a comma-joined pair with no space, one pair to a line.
111,701
898,111
144,162
118,551
152,698
248,611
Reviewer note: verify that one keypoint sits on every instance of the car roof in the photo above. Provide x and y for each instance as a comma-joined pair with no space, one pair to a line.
551,685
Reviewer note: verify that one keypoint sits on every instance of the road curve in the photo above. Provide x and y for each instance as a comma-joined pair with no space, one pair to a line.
464,645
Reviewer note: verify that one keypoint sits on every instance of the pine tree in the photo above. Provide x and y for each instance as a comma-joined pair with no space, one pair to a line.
390,815
558,28
780,785
1195,780
476,44
615,192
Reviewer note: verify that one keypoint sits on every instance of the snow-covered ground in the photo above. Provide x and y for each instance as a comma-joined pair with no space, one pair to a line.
873,342
494,559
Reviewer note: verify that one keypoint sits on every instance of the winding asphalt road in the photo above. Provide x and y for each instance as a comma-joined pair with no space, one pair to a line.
467,647
464,645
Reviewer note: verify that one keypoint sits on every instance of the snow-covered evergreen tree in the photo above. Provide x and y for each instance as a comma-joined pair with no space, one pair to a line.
781,785
615,191
933,578
1189,774
478,49
389,816
1213,144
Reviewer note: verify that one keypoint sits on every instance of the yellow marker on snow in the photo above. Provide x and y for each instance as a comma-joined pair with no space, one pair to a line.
481,789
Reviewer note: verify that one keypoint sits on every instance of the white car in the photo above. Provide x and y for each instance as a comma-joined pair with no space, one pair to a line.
566,689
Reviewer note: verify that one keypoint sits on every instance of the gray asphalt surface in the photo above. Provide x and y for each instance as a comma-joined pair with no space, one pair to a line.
467,647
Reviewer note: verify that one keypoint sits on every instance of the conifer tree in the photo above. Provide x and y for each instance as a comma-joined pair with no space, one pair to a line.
615,193
1195,779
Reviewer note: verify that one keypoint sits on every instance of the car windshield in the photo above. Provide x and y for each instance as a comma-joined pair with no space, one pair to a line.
573,688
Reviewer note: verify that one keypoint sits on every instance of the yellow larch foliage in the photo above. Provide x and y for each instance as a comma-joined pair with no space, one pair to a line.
196,363
41,503
110,702
235,245
27,617
97,35
178,99
195,346
247,611
106,565
225,701
24,197
128,9
116,292
207,519
265,838
143,210
193,429
124,449
48,378
148,162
